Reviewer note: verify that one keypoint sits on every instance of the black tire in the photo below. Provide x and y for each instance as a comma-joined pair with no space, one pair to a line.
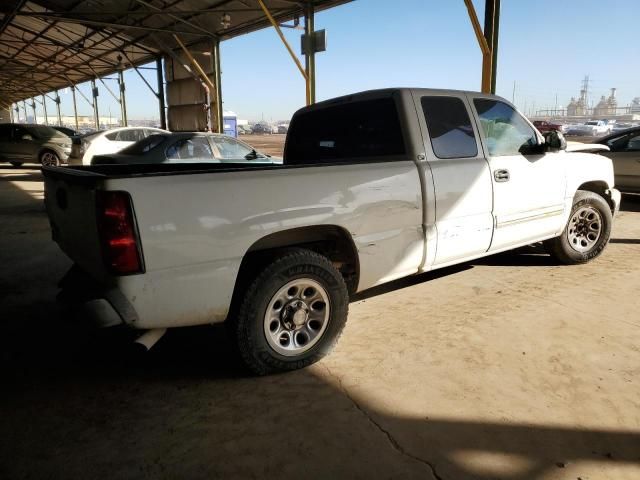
49,158
248,327
561,247
16,164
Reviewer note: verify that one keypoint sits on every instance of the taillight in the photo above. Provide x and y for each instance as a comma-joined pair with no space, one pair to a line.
118,233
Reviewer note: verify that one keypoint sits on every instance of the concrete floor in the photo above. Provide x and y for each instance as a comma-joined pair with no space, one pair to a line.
510,367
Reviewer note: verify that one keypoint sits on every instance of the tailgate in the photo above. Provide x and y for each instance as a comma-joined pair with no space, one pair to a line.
71,206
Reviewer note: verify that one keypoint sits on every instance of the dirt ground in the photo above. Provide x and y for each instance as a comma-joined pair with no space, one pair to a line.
509,367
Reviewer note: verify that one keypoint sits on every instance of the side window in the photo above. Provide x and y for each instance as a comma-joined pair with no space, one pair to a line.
505,131
132,135
634,144
231,149
365,130
112,136
19,132
188,148
449,127
618,144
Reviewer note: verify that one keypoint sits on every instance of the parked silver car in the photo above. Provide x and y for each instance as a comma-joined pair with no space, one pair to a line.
186,147
26,143
624,152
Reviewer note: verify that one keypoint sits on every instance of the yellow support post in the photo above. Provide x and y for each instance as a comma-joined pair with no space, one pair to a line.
288,47
484,46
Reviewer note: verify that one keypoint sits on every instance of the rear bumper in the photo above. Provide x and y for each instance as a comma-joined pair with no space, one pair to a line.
93,302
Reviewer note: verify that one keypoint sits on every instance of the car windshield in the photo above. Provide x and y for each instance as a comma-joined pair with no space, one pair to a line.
43,131
145,145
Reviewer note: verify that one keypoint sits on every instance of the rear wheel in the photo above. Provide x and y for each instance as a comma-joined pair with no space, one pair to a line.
587,232
49,159
292,314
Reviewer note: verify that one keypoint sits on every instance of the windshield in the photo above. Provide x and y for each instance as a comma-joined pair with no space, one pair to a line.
42,131
145,145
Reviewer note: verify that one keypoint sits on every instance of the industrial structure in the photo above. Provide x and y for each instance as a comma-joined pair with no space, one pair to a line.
579,108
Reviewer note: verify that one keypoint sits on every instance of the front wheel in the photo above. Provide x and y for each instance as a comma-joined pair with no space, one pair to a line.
587,232
49,159
292,314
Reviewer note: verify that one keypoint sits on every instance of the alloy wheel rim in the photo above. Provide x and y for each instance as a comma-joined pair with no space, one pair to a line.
49,160
297,316
584,229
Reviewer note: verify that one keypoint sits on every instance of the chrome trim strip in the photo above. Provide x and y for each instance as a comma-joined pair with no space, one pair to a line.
528,218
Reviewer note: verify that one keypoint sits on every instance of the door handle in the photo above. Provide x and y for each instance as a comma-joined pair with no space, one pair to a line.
501,175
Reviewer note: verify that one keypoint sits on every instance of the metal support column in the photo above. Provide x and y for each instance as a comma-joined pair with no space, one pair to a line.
218,75
94,95
75,109
122,101
484,46
310,55
24,107
57,100
160,94
33,107
491,30
276,26
44,106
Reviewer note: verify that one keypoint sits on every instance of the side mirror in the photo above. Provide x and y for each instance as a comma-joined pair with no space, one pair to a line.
555,141
26,136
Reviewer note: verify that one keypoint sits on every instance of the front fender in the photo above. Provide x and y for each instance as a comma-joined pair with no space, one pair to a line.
589,168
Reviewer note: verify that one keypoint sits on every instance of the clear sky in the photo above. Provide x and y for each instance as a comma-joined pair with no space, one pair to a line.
546,47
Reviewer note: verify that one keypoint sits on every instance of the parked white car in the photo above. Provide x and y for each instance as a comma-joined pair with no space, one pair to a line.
375,186
107,141
593,128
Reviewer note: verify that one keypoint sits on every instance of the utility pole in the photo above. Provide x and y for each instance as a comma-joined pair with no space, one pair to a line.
513,94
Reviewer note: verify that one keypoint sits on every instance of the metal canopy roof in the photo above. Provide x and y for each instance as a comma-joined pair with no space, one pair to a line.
51,44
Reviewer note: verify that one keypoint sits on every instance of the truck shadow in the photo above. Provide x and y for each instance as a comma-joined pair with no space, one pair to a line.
188,411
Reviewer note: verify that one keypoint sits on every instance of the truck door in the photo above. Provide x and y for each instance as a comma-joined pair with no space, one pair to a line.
528,185
462,224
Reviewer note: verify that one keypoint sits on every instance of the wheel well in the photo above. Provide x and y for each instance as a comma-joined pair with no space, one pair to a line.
332,241
599,187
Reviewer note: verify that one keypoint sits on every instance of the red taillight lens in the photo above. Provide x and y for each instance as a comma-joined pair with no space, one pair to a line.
117,231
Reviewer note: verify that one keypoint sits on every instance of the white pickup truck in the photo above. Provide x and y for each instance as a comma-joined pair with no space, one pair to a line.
375,186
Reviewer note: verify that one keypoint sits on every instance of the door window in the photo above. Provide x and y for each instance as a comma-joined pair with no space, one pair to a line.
19,132
231,149
188,148
449,127
625,143
634,144
504,129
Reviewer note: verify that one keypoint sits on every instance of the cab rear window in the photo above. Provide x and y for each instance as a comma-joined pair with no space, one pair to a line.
358,131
